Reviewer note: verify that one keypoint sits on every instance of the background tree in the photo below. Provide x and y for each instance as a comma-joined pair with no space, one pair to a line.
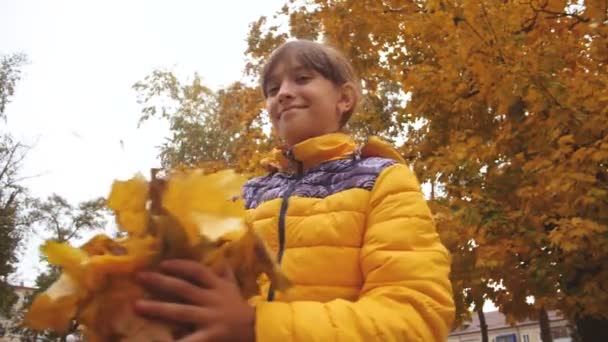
190,110
54,218
503,110
12,196
10,73
219,129
12,193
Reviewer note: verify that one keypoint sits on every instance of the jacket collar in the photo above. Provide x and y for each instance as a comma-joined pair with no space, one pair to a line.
314,151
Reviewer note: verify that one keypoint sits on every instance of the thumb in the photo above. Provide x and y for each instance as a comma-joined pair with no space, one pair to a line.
228,273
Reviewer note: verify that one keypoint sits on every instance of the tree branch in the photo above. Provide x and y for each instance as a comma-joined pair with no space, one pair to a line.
389,9
554,14
57,227
476,33
11,198
487,20
528,24
72,234
9,161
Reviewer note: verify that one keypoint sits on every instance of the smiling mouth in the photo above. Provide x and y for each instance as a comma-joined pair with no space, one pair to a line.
288,109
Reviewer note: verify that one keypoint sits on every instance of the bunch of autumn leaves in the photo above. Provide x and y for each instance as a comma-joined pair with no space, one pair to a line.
188,215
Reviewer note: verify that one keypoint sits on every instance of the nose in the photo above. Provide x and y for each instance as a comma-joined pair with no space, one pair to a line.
285,92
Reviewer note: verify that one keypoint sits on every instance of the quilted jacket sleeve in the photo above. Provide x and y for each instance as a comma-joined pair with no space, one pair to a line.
406,295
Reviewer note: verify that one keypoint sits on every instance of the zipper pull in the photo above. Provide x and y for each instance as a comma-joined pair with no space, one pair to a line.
299,166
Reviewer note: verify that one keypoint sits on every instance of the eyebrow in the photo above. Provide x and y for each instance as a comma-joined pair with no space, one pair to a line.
300,68
295,69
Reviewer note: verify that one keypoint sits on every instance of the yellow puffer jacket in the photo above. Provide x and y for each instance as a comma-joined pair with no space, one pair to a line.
352,231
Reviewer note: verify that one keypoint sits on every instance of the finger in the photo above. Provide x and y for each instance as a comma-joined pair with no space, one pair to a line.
228,273
178,313
199,336
191,270
174,287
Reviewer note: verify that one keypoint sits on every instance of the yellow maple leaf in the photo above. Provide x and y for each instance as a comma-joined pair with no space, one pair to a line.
205,204
248,256
99,244
130,195
202,221
56,307
63,255
128,199
129,256
110,317
134,222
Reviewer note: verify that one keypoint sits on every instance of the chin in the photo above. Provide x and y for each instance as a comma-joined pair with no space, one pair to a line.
295,136
301,138
293,140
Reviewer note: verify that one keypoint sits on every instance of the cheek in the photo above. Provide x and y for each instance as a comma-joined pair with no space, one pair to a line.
327,106
275,125
331,116
271,109
272,117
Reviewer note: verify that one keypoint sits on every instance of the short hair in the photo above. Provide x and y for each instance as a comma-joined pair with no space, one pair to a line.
322,58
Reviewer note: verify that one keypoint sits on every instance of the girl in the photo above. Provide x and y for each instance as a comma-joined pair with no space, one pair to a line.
349,226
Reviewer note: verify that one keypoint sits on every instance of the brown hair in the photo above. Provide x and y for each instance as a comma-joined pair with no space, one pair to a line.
324,59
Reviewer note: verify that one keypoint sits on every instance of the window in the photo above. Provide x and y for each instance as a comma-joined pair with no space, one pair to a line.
560,332
506,338
526,338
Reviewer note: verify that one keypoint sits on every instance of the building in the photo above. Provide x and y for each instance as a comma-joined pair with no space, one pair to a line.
500,331
7,322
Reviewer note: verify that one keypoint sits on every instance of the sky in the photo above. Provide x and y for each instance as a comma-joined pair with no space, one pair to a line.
74,104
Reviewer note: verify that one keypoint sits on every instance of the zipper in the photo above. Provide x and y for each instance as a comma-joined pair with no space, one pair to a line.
283,215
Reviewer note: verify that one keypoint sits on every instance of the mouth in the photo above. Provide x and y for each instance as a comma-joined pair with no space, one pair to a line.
287,109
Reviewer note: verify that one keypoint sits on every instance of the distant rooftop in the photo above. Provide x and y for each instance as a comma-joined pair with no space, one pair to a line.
496,320
22,287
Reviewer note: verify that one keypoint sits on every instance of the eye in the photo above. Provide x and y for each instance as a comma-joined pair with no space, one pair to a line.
303,78
272,90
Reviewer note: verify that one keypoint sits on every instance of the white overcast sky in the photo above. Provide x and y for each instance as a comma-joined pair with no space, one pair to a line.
75,101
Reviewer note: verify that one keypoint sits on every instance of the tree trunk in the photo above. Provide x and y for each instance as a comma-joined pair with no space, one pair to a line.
545,328
482,324
591,329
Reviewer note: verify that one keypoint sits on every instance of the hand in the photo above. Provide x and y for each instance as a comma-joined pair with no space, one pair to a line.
213,303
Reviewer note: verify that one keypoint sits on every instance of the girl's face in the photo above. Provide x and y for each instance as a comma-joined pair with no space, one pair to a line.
303,104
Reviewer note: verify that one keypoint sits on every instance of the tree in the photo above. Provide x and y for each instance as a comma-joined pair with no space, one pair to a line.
58,220
12,194
226,127
503,105
61,221
507,113
190,110
217,129
10,73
